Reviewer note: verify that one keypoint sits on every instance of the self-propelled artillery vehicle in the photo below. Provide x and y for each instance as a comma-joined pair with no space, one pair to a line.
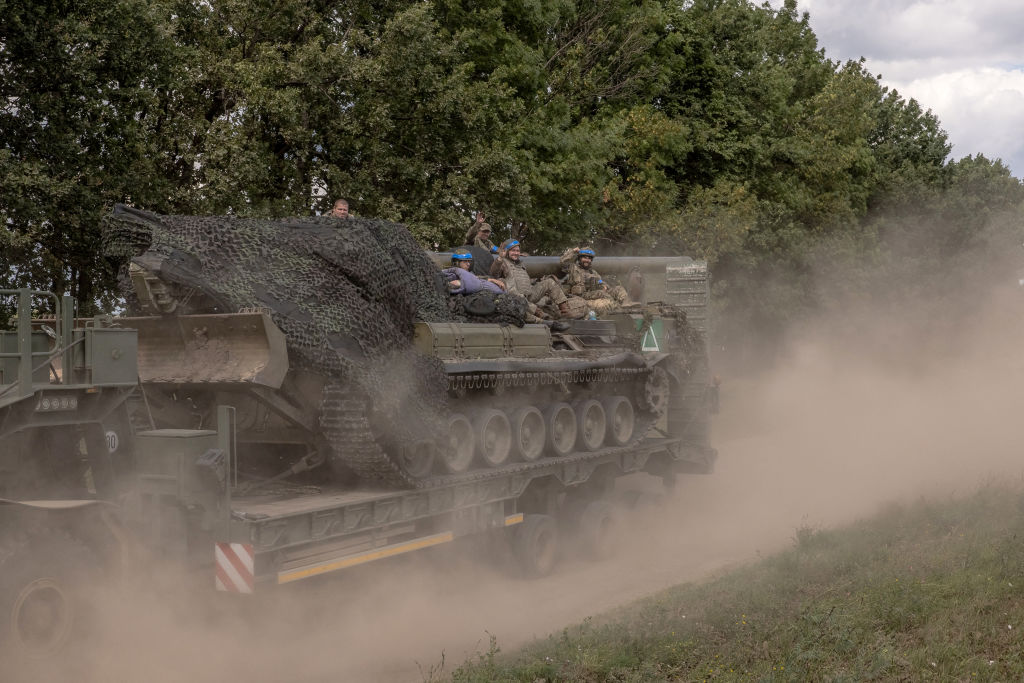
338,344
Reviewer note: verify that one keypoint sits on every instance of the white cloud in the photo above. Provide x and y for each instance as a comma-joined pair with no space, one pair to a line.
982,109
963,59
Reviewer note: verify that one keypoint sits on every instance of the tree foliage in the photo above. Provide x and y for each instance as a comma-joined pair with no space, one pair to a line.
716,128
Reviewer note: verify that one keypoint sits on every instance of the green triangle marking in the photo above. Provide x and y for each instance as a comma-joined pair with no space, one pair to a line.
650,342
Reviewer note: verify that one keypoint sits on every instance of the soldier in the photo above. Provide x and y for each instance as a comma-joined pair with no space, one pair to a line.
583,281
479,234
510,268
461,279
340,209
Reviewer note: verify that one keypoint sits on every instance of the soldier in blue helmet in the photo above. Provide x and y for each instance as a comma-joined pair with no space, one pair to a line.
461,279
583,281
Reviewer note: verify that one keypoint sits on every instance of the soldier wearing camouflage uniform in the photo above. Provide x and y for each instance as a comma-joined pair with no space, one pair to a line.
509,268
583,281
479,233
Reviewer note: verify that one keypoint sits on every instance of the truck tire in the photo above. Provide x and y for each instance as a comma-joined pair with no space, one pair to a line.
45,596
536,545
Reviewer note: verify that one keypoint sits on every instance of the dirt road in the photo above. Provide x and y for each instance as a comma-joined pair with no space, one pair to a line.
825,440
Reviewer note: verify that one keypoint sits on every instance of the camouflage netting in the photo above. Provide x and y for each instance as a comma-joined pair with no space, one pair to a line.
344,292
488,307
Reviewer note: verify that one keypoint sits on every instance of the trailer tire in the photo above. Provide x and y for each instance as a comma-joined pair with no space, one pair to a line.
536,545
45,596
598,525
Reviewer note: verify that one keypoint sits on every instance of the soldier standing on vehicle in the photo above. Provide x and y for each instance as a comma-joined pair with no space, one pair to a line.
583,281
479,234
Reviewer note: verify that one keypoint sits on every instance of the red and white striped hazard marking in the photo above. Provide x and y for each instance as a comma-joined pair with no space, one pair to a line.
235,563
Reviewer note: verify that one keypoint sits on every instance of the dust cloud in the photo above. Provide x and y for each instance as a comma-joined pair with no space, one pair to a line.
863,412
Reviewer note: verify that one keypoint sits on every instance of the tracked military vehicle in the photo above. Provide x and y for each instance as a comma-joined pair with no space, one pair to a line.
339,345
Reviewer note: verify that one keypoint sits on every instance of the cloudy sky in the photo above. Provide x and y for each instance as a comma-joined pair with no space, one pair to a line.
963,59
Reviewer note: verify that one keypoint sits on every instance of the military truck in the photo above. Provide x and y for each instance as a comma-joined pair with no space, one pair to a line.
202,437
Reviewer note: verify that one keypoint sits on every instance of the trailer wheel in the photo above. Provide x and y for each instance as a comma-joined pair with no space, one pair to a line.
598,525
528,433
44,594
536,545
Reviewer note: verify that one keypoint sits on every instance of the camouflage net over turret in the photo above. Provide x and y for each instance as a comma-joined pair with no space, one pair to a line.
346,294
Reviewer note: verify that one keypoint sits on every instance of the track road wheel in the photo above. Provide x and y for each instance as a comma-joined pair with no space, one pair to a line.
461,445
561,420
44,594
528,433
417,459
493,437
536,545
621,419
592,424
598,525
656,390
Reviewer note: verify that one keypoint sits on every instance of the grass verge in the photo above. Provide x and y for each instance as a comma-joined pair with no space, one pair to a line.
924,592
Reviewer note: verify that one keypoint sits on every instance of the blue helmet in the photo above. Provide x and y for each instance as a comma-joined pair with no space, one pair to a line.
461,254
586,251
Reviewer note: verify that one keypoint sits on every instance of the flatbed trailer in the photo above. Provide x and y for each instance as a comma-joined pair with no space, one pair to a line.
292,536
280,533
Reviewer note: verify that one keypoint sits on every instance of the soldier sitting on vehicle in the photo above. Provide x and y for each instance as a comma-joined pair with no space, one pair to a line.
461,279
509,267
583,281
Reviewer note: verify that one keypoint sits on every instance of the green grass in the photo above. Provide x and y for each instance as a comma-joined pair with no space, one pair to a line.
925,592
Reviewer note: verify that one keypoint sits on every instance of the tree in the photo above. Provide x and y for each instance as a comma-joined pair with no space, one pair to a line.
86,89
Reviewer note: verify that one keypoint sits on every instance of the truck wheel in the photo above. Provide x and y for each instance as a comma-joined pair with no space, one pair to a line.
598,524
44,594
536,545
562,429
592,424
528,433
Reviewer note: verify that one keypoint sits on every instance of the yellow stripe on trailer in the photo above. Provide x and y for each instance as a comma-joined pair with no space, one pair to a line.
362,558
514,519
